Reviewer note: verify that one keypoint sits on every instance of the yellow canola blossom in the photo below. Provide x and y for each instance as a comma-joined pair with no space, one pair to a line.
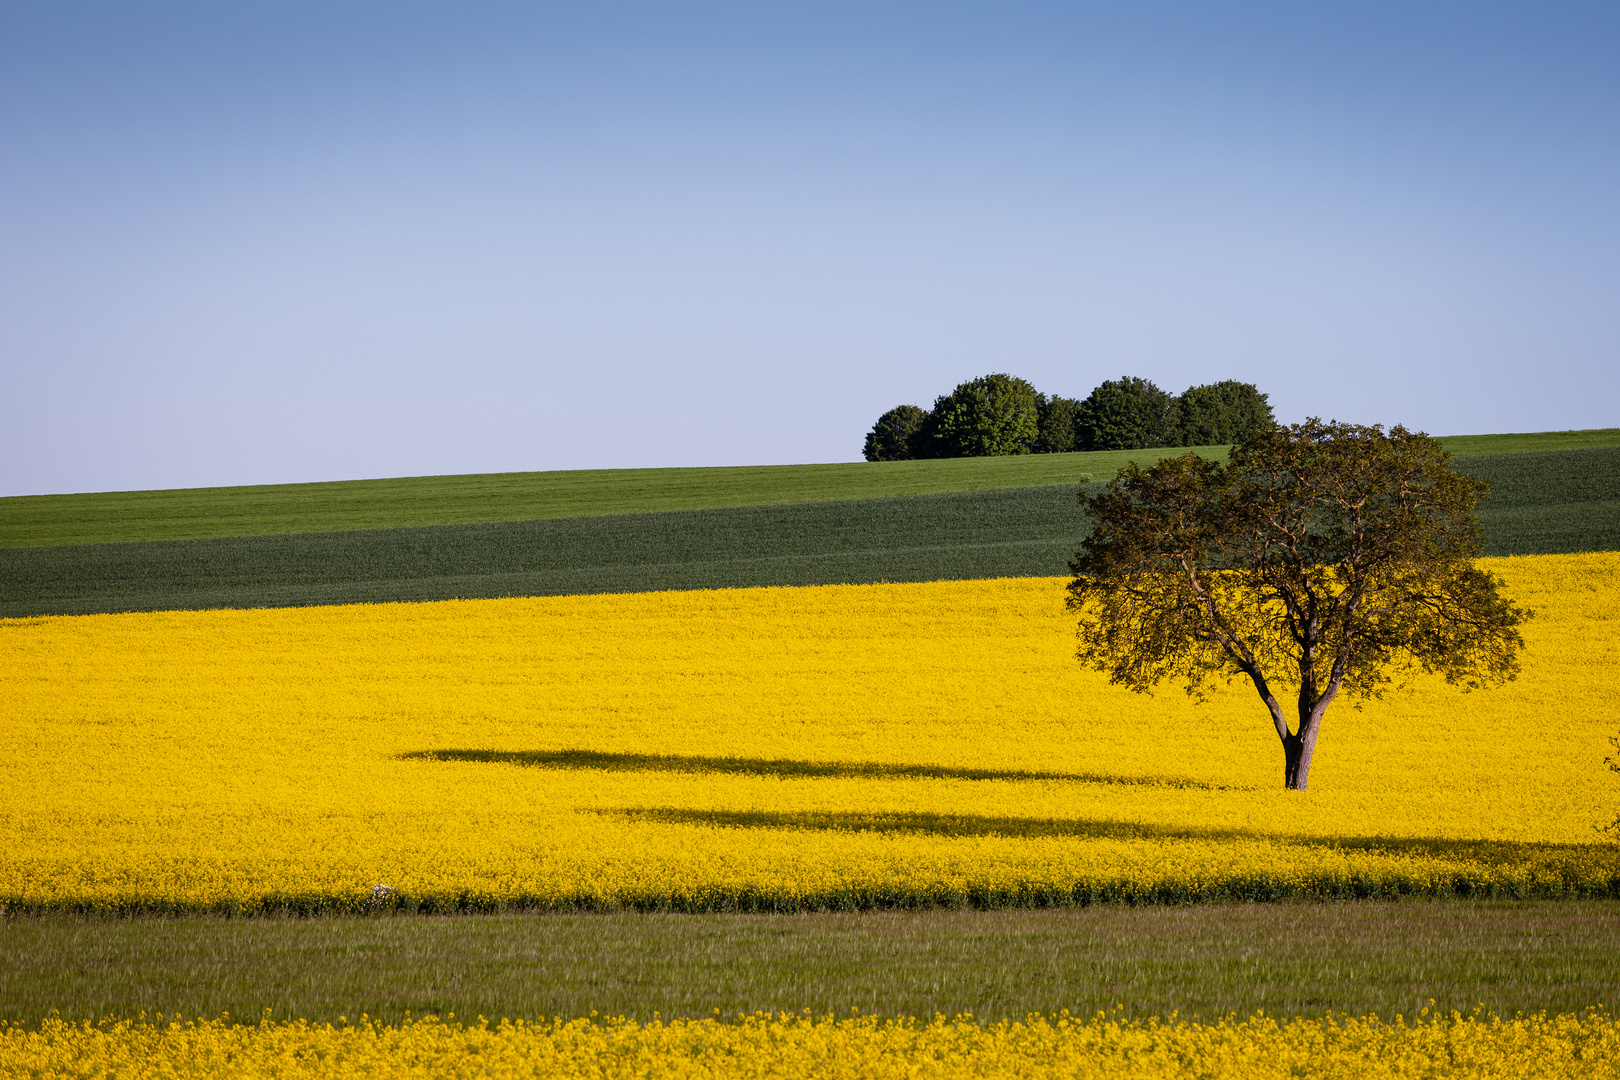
764,749
800,1046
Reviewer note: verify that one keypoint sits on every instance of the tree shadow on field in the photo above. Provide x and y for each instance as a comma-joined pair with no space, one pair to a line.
1599,856
785,767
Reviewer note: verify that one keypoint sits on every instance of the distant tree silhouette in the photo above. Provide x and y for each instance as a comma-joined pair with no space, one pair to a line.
1128,414
1058,422
891,437
1221,413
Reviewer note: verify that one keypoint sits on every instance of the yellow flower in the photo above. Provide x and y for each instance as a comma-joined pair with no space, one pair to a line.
763,1045
837,746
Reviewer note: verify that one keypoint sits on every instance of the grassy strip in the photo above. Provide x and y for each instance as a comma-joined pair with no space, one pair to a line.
443,500
1530,442
1201,962
1544,503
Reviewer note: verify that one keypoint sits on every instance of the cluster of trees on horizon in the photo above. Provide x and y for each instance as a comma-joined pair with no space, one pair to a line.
1001,414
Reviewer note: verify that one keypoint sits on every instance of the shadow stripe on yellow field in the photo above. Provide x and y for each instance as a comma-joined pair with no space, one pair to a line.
844,770
1540,855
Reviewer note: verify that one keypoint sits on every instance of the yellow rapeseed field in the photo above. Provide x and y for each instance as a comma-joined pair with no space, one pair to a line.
764,748
788,1046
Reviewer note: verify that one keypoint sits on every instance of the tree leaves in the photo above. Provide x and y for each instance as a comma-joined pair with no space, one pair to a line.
1324,556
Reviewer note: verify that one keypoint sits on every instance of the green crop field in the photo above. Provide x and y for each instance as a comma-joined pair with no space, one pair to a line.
1549,503
1530,442
1540,503
1015,531
196,513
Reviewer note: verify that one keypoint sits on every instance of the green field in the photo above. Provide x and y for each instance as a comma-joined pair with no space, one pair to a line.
1202,962
1530,442
1020,531
189,513
1540,503
194,513
1549,503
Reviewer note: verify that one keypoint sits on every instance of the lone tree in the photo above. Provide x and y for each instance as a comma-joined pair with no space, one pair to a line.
1323,557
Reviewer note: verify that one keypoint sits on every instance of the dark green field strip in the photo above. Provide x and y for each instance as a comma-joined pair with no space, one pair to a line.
1552,502
1553,478
1549,503
194,513
1005,532
1202,962
191,513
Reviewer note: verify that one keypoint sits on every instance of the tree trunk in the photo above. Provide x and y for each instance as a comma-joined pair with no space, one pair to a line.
1299,749
1296,763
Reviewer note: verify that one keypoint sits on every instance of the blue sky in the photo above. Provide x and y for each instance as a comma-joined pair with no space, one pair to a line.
253,243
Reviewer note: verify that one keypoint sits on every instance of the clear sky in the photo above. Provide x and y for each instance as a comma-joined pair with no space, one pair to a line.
267,242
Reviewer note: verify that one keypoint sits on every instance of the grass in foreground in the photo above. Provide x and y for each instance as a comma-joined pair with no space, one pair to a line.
1201,962
191,513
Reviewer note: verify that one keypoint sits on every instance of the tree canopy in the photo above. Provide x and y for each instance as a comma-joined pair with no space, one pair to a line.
1128,414
1219,413
1001,414
1324,557
891,438
1059,424
991,416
